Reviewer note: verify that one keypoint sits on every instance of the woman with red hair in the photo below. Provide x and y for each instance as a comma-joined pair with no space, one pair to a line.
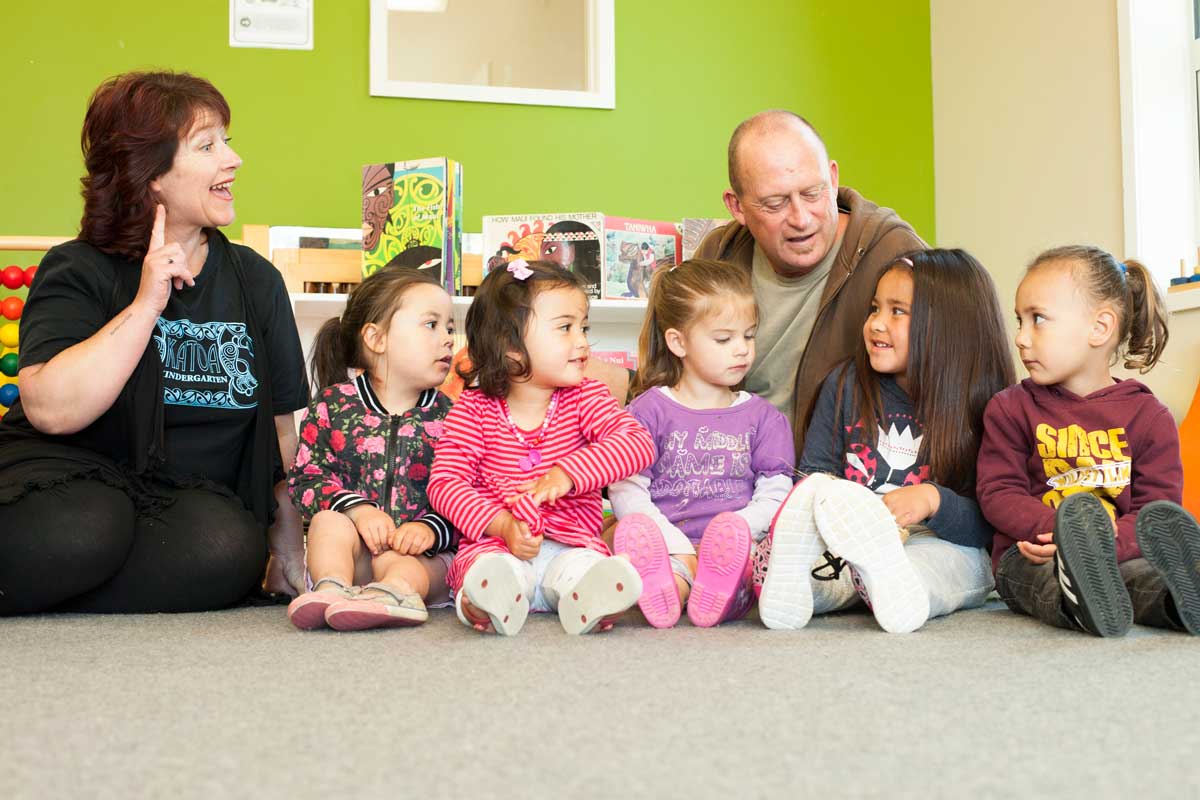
160,366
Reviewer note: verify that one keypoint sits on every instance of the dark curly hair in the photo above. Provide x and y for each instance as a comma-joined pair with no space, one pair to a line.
496,323
133,127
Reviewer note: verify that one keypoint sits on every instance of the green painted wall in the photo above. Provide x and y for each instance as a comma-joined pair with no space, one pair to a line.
687,73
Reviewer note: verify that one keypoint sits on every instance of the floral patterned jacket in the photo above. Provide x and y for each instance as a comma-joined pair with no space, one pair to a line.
352,451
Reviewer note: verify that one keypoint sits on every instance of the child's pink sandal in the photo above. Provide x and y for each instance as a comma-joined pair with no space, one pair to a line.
722,560
638,537
307,612
389,608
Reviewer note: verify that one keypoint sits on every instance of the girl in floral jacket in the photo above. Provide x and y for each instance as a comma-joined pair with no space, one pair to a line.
361,470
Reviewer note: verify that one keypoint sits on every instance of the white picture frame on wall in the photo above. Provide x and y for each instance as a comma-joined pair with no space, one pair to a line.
480,60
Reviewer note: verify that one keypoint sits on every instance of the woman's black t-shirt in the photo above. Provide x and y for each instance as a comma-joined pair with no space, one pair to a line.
208,359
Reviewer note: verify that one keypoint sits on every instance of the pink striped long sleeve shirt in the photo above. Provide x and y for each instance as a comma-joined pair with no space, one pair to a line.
476,466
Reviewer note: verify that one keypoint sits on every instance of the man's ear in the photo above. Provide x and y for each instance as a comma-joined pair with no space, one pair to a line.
1105,325
675,342
734,205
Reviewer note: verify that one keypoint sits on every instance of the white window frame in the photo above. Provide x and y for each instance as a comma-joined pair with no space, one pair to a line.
601,69
1160,148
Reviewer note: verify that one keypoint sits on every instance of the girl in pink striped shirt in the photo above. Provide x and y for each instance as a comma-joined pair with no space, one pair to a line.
523,457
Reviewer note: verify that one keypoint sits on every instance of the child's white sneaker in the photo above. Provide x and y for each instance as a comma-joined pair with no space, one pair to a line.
858,527
786,600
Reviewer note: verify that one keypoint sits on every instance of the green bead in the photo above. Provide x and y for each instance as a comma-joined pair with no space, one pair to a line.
8,364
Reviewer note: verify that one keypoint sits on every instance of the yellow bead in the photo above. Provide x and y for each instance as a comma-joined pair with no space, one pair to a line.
9,335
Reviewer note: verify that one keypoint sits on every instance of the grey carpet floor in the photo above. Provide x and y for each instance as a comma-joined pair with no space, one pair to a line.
239,704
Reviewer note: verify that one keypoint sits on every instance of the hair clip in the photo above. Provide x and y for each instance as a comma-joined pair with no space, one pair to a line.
1123,268
907,261
519,268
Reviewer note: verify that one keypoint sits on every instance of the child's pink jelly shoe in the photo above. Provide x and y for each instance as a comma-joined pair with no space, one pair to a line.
721,569
638,537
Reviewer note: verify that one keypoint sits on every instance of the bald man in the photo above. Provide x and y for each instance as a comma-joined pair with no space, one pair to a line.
815,251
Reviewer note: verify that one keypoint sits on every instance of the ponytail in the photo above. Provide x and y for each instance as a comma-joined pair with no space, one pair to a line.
329,363
1147,319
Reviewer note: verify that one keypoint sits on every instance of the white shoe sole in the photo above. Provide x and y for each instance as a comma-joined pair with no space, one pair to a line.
858,527
495,586
786,600
608,587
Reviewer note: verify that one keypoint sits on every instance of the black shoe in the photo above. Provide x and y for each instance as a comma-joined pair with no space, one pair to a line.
1094,595
1170,541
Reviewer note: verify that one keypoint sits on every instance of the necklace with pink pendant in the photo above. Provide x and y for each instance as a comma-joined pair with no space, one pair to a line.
534,457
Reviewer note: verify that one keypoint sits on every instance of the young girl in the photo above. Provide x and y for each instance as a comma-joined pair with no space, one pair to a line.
365,452
524,455
1073,456
725,456
890,455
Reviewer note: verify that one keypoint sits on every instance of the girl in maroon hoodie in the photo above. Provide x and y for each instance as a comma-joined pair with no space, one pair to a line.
1080,472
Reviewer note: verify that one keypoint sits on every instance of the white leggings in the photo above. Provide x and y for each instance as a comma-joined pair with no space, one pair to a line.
957,577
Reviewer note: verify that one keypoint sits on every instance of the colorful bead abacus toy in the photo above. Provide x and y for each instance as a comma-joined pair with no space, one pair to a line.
12,278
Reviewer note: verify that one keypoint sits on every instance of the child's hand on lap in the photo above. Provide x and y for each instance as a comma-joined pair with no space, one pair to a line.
1039,553
374,526
913,504
412,538
548,488
521,543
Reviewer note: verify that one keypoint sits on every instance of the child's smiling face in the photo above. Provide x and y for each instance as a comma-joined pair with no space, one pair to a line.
556,338
885,332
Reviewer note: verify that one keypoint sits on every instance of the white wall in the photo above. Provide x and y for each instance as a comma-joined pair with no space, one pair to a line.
1027,145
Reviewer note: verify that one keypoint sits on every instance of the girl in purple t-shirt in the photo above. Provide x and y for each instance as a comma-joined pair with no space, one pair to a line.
725,457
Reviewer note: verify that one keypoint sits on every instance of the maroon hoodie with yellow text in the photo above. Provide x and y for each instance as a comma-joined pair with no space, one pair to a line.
1043,443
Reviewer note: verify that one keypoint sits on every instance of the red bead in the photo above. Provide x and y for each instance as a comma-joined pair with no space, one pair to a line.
29,273
13,277
11,307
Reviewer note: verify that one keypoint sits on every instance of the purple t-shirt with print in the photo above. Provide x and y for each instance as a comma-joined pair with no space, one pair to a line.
709,459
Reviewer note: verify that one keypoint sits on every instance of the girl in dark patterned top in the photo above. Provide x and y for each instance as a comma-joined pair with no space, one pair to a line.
361,470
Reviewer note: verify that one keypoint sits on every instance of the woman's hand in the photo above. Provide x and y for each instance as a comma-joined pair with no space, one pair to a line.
913,504
374,526
548,488
413,538
164,266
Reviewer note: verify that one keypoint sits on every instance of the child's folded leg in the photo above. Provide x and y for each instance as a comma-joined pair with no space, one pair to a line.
956,577
858,527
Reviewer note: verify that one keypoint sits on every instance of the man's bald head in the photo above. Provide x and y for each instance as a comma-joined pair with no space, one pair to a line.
765,122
